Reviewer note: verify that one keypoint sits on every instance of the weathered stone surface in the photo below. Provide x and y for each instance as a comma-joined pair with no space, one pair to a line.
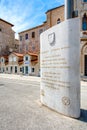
60,68
7,37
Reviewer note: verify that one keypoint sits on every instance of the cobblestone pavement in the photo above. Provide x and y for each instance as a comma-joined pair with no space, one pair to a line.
20,108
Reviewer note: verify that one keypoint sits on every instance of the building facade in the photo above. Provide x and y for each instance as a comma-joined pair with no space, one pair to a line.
3,64
54,16
29,40
7,37
80,9
16,46
16,63
8,43
30,64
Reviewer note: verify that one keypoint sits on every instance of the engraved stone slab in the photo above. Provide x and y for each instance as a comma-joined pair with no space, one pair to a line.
60,68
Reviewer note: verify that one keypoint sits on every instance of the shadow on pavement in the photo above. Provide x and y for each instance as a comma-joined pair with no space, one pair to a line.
83,116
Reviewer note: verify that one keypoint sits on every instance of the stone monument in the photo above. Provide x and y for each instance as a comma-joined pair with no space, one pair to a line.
60,68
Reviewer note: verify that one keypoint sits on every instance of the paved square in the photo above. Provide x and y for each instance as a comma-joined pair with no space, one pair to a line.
20,108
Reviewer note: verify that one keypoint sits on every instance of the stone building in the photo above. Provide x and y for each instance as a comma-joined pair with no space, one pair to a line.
30,38
54,16
16,46
7,37
80,10
16,63
3,64
8,43
30,64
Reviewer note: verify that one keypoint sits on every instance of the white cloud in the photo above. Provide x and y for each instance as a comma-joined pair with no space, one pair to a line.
25,14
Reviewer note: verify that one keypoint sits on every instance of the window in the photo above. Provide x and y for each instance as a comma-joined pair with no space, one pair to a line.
7,47
40,31
33,69
26,36
15,69
33,34
27,47
23,69
20,38
2,60
10,59
11,69
0,29
16,46
84,0
58,21
75,13
84,22
14,59
6,68
26,69
33,47
20,69
3,70
26,58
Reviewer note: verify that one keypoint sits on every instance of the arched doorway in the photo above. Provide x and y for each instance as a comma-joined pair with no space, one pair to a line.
84,22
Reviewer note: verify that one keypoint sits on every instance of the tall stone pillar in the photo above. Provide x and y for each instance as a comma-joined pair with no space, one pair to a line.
60,68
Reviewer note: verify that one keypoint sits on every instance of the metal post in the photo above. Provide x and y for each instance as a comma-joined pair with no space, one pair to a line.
69,7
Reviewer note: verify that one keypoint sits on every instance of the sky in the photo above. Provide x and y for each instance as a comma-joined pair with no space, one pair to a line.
25,14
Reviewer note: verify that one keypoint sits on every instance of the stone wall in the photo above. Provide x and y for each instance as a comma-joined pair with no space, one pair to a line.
53,15
33,44
30,44
82,9
16,46
60,68
6,37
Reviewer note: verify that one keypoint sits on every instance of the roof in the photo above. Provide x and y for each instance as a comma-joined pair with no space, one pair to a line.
54,8
16,40
31,54
17,54
20,62
31,28
35,61
43,22
6,22
6,63
21,55
5,56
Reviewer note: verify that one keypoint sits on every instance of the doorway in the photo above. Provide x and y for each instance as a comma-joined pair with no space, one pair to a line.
26,69
85,65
